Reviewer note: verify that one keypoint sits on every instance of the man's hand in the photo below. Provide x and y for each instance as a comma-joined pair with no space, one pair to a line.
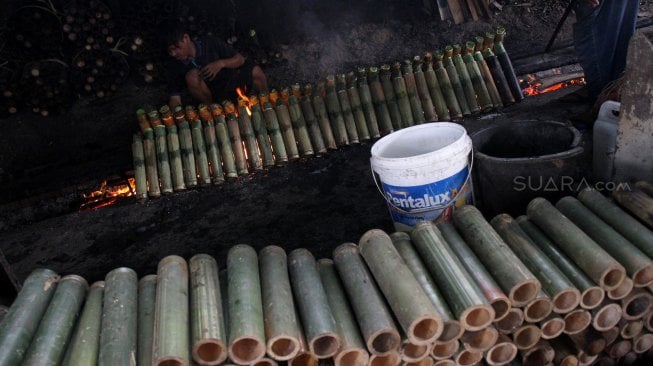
210,71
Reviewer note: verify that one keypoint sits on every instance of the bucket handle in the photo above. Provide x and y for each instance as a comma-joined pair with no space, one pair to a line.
469,174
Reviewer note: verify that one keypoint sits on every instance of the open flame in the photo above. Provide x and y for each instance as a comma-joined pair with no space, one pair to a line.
536,86
248,102
108,194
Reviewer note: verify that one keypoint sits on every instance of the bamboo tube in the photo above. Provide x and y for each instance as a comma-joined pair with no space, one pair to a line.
466,357
400,88
174,150
426,361
538,308
411,90
637,203
511,321
565,297
211,142
462,293
378,99
138,159
373,316
423,90
345,105
246,333
455,110
637,304
517,280
390,97
588,255
606,316
199,146
499,77
451,326
145,315
552,326
589,340
335,112
584,359
352,350
591,295
611,335
186,148
630,329
565,353
491,290
319,325
412,353
237,144
442,351
480,340
391,359
280,319
620,348
317,140
502,353
286,129
644,186
322,116
506,65
445,362
149,150
161,146
265,362
643,343
366,102
224,143
272,125
577,321
410,304
526,336
261,132
621,291
637,265
434,89
119,318
465,79
605,361
300,129
356,107
482,92
85,342
49,343
541,353
488,79
207,323
304,357
248,136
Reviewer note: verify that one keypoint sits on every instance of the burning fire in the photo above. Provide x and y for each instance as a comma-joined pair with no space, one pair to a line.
248,102
535,86
108,194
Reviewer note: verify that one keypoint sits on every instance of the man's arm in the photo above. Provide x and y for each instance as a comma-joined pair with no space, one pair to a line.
212,69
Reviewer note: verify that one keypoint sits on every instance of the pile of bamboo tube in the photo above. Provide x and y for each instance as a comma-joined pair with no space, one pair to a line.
187,147
566,284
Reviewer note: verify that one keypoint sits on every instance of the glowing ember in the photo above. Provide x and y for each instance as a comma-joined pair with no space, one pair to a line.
108,194
536,86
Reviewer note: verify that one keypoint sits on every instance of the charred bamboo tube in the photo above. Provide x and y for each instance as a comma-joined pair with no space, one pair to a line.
451,326
565,353
502,353
322,115
352,350
511,321
378,99
526,336
373,316
591,295
285,126
280,319
456,83
538,308
506,65
366,103
480,340
261,132
517,280
401,92
246,329
174,149
85,341
552,326
247,134
356,107
589,256
435,90
465,79
224,143
161,145
390,97
620,348
345,105
335,112
391,359
463,294
589,340
138,158
186,148
149,150
423,90
119,318
499,77
211,142
411,352
237,144
636,304
442,351
465,357
411,90
448,92
413,309
199,146
491,290
146,300
630,329
272,125
643,343
577,321
207,323
317,318
300,129
317,140
625,224
564,295
483,94
637,203
638,266
488,79
50,340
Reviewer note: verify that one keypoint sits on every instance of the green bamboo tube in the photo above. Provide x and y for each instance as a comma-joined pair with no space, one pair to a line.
552,326
321,114
589,256
224,143
499,77
50,340
161,146
434,88
488,79
378,99
591,295
280,318
577,321
491,290
506,65
636,305
246,329
637,203
199,149
261,132
85,342
401,92
213,152
367,104
345,106
480,340
146,300
461,292
317,318
638,266
413,353
451,329
249,138
526,336
445,350
352,350
174,149
356,107
625,224
539,308
423,90
119,318
149,150
335,112
138,158
465,80
411,89
317,140
517,280
237,144
482,92
414,310
511,322
446,87
456,84
300,129
390,97
373,316
272,125
186,148
564,295
502,353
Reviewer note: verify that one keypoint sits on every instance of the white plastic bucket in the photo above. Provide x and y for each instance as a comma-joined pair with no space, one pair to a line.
423,172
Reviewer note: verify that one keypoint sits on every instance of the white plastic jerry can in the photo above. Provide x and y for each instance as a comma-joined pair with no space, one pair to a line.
605,141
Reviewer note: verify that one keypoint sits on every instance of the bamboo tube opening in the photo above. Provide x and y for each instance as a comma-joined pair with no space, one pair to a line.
607,317
644,276
209,352
451,331
444,350
426,329
586,359
612,278
304,359
325,346
246,350
170,361
444,363
566,301
552,328
620,348
383,342
592,297
501,307
524,292
570,360
513,320
468,358
643,343
283,348
527,336
352,357
611,335
480,340
265,362
538,310
636,305
577,321
501,354
631,329
477,317
426,361
411,352
622,290
391,359
535,358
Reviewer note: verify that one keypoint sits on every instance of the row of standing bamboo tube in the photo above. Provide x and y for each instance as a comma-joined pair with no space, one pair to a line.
184,148
564,284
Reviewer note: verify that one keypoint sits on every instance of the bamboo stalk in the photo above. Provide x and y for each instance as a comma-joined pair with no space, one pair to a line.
606,316
224,143
366,102
237,143
466,357
146,300
499,77
186,148
480,340
456,82
248,136
85,342
465,78
138,159
637,203
442,351
322,116
390,97
174,149
488,79
119,318
423,90
199,146
317,140
272,125
149,150
400,88
211,142
345,105
286,129
335,112
511,321
356,106
304,357
506,65
482,92
161,146
300,129
552,326
502,353
448,92
378,99
577,321
411,90
565,353
434,88
526,336
261,132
